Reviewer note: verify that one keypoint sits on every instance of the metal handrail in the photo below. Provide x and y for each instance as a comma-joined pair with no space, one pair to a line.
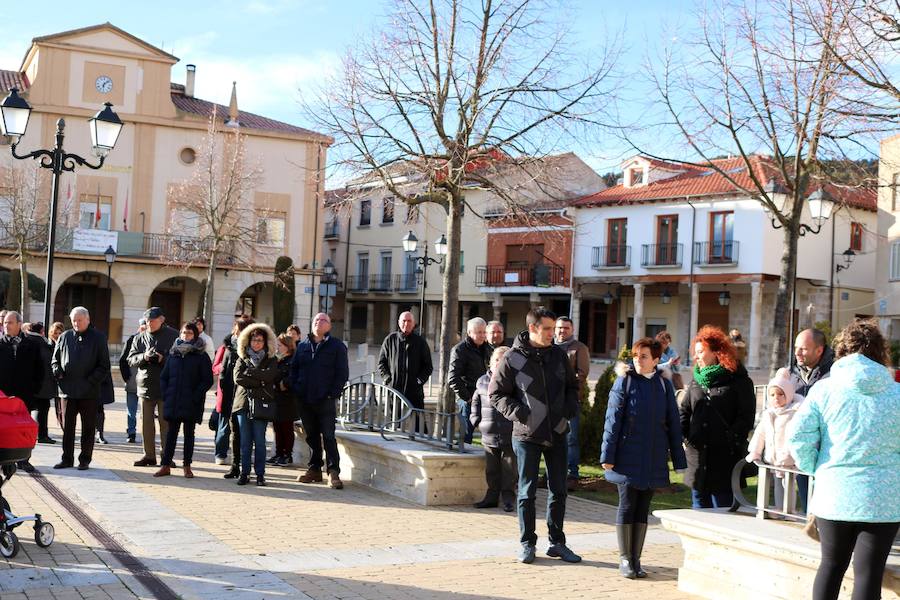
761,506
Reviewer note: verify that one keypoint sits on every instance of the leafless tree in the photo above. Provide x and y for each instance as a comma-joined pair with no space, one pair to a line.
757,79
212,216
449,96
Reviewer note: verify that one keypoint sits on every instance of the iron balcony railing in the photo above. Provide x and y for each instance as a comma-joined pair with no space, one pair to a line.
716,253
661,255
611,257
380,283
535,275
406,284
358,283
332,230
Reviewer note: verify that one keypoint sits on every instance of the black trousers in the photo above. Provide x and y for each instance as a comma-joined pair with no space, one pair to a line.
634,504
868,543
86,409
318,424
500,472
235,442
172,439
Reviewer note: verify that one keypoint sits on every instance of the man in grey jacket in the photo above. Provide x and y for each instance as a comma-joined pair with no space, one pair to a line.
148,354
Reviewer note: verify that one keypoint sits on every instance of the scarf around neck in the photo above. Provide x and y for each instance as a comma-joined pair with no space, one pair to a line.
255,357
706,375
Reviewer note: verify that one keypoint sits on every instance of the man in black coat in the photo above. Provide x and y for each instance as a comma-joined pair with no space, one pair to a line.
148,354
80,364
405,362
812,360
21,369
534,386
468,362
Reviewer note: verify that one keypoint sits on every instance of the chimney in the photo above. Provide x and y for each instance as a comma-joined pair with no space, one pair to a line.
189,80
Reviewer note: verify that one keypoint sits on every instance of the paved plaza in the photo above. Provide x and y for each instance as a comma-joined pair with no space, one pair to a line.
208,538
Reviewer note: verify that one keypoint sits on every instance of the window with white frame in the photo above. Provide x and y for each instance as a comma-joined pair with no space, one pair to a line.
270,229
895,261
88,212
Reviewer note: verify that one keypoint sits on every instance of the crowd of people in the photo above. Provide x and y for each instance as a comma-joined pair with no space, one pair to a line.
833,414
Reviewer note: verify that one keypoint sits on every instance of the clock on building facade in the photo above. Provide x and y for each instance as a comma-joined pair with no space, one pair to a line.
103,84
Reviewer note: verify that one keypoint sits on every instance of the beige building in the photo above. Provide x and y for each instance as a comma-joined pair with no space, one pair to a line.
70,75
887,270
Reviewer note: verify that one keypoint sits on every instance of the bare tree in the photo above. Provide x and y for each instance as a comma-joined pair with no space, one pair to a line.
755,80
212,215
24,217
449,90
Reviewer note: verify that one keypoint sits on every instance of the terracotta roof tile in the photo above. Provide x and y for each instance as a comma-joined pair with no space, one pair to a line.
705,181
13,79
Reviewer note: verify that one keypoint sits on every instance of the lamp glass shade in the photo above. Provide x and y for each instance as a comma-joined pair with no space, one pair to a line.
105,129
110,255
14,114
666,297
328,267
410,241
820,206
724,298
607,298
849,254
440,246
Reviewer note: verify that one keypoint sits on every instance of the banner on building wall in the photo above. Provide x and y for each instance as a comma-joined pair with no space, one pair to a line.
94,240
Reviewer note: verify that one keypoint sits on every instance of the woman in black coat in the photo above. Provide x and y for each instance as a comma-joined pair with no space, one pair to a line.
717,414
641,432
47,391
286,413
185,378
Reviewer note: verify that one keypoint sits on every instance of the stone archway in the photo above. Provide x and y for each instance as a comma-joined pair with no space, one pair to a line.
96,292
256,301
179,297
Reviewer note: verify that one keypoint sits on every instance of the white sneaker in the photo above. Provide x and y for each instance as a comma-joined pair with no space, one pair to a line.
221,461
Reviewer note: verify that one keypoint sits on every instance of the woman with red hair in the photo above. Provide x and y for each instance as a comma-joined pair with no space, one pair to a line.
717,414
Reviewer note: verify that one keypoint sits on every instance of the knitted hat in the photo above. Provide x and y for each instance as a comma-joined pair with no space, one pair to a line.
782,380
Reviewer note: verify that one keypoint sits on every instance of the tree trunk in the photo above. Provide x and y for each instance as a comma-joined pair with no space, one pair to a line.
209,291
450,298
779,355
24,291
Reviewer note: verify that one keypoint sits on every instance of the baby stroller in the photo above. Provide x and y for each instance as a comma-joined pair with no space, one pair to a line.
18,435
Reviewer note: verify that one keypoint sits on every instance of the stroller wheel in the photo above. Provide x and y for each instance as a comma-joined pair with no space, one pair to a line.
44,534
9,544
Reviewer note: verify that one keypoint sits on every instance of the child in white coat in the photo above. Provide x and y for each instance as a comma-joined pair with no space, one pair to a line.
769,441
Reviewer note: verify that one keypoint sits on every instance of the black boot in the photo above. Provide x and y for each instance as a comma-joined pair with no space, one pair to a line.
234,472
624,537
490,500
638,533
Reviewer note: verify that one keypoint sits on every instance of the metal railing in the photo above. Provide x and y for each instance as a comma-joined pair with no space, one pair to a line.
332,230
380,283
716,253
661,255
377,407
767,477
407,283
611,257
538,275
358,283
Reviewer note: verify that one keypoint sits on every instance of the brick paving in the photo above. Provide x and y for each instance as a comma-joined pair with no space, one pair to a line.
208,538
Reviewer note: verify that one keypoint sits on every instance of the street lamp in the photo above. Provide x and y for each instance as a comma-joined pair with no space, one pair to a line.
105,129
820,207
410,243
725,298
848,255
329,279
110,256
666,297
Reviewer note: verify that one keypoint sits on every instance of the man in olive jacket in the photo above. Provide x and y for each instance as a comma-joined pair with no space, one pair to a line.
80,365
148,354
468,362
405,362
534,386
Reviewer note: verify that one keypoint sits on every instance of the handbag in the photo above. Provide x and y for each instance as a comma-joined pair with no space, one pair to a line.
262,404
213,422
811,528
739,445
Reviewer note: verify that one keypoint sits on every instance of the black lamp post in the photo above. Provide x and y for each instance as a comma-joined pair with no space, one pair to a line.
410,242
329,279
105,129
110,256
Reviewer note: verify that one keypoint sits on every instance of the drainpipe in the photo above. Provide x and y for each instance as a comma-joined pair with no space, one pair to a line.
687,199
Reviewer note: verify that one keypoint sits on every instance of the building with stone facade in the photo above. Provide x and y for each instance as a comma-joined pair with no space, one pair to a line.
70,75
675,247
887,269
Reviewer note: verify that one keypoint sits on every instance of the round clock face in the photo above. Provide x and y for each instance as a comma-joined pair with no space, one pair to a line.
103,84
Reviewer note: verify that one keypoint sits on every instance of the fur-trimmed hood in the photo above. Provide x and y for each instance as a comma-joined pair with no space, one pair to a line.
244,339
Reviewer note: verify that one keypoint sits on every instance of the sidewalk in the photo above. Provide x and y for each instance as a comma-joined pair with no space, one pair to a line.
209,538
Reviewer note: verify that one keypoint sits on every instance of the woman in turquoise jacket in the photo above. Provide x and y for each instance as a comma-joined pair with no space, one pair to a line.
846,434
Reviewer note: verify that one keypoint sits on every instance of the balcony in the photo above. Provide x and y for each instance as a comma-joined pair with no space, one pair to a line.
537,275
611,257
383,284
656,256
332,230
716,254
406,284
357,284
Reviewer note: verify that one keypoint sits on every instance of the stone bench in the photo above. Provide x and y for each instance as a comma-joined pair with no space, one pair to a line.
734,556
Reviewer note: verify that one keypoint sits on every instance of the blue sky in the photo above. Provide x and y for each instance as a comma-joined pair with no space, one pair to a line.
273,47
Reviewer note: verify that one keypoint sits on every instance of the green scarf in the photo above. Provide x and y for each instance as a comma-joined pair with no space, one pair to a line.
706,375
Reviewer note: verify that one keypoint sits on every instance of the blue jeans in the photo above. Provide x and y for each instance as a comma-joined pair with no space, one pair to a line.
718,499
528,457
253,433
572,441
223,434
131,406
465,409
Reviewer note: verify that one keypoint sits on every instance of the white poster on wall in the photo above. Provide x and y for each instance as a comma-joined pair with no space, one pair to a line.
94,240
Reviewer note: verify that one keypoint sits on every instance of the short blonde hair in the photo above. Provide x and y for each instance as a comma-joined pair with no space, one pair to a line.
497,354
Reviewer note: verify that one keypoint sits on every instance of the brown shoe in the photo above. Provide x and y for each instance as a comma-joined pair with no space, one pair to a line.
188,474
335,481
145,462
311,476
163,471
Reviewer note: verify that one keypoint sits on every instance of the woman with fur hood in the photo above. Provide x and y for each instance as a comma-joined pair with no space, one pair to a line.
256,372
184,381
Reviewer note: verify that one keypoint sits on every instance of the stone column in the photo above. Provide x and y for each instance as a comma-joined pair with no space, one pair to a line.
497,305
434,324
695,317
575,311
394,314
534,299
464,316
370,323
639,328
348,318
754,343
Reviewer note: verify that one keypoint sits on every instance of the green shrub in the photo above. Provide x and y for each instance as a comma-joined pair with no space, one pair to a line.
895,353
590,433
825,327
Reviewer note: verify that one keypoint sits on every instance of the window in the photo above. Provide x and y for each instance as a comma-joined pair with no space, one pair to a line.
462,262
387,215
616,241
184,222
856,237
895,261
362,265
387,264
636,176
365,212
523,255
247,305
412,213
187,156
666,239
721,237
270,230
88,213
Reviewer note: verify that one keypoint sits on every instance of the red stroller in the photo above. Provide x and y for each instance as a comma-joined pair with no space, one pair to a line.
18,435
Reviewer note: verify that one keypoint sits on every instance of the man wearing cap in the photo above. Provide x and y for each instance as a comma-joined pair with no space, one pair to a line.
147,355
128,376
